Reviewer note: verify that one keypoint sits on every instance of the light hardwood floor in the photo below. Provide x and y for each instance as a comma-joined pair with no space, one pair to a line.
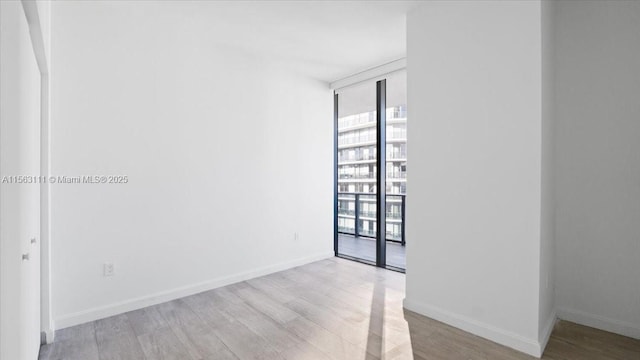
331,309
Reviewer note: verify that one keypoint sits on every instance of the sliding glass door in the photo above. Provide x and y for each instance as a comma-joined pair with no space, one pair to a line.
396,167
356,172
370,171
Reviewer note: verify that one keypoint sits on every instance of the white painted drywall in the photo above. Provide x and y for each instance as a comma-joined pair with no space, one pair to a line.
44,16
39,18
19,202
474,191
46,311
226,156
547,310
598,163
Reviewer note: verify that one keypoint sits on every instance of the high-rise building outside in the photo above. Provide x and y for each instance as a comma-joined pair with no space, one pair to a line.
357,172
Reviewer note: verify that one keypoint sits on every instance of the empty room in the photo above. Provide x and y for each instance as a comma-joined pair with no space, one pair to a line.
313,179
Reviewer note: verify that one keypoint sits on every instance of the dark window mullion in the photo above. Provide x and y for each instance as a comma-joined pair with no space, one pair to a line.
381,176
335,173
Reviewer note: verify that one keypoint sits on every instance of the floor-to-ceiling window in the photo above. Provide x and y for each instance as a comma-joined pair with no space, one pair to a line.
356,168
396,166
359,153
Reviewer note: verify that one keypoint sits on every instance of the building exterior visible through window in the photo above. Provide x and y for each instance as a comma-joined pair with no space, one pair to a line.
357,169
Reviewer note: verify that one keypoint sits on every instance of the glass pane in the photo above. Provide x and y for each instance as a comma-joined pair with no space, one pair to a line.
396,154
357,171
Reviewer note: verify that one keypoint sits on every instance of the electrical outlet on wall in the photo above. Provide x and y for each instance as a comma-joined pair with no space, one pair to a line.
108,269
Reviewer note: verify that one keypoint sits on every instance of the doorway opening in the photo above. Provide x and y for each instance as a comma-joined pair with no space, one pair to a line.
370,174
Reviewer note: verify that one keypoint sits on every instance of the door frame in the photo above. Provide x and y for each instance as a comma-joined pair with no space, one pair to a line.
35,15
381,173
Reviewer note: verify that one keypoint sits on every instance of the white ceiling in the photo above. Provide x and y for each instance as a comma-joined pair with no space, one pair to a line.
327,40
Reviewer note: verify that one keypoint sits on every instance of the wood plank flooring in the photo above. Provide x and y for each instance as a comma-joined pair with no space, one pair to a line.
331,309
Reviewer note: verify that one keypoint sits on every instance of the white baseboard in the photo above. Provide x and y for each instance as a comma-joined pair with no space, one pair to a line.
102,312
49,335
547,330
600,322
490,332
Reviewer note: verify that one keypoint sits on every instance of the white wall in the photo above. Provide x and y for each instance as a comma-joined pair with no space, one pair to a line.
44,16
39,18
475,145
547,310
598,164
227,156
19,202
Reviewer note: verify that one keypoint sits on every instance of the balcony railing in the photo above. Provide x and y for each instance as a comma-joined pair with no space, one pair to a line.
354,120
358,212
345,158
357,176
397,134
397,155
371,176
390,156
356,139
